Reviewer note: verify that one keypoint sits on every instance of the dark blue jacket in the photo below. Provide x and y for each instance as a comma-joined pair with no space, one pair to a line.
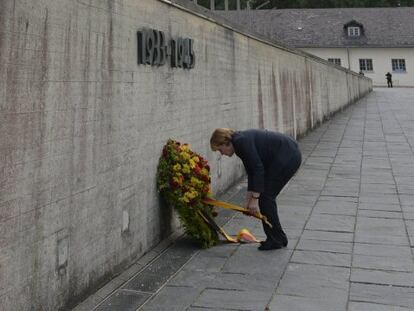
264,154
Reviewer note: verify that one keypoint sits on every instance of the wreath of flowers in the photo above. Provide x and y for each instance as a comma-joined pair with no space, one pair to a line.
183,180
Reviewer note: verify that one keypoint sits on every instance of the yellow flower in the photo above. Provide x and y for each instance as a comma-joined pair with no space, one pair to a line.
196,159
176,167
185,155
191,194
192,163
186,169
204,171
178,180
194,182
184,199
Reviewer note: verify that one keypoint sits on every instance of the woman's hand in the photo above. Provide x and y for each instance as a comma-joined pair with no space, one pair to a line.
252,202
248,198
253,206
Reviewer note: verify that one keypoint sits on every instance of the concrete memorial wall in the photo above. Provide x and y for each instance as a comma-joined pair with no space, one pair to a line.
82,127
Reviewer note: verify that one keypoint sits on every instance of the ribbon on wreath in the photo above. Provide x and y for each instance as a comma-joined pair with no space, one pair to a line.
222,204
243,236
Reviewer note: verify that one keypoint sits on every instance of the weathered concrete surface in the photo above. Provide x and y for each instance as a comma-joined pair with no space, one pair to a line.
82,126
348,250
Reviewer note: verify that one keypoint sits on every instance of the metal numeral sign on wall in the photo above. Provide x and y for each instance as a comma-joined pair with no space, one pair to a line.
155,50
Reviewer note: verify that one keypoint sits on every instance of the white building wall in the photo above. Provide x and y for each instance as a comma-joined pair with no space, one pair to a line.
326,53
381,60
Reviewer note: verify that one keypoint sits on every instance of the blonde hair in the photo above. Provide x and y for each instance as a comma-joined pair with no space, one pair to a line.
221,136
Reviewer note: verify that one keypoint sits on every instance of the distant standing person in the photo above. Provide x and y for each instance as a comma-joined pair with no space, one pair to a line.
389,79
270,159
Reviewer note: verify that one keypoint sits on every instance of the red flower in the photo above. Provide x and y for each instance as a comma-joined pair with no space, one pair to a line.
197,170
173,184
205,178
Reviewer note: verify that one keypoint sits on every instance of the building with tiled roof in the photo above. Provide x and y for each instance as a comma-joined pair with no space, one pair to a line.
373,41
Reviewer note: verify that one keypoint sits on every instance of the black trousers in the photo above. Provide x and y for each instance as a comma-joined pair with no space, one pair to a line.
267,200
389,83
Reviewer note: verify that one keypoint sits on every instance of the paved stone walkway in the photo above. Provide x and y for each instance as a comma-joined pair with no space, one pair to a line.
349,216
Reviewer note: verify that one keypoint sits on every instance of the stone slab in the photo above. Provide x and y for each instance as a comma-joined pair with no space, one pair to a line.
382,277
406,199
236,281
221,250
380,207
321,258
174,298
327,236
379,199
380,214
293,218
313,281
380,230
326,246
247,259
337,207
410,229
233,300
364,306
383,294
201,262
374,188
295,303
379,250
340,192
196,279
394,263
336,223
123,300
384,240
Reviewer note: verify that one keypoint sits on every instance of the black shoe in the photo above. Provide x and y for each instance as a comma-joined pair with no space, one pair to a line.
268,245
284,243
